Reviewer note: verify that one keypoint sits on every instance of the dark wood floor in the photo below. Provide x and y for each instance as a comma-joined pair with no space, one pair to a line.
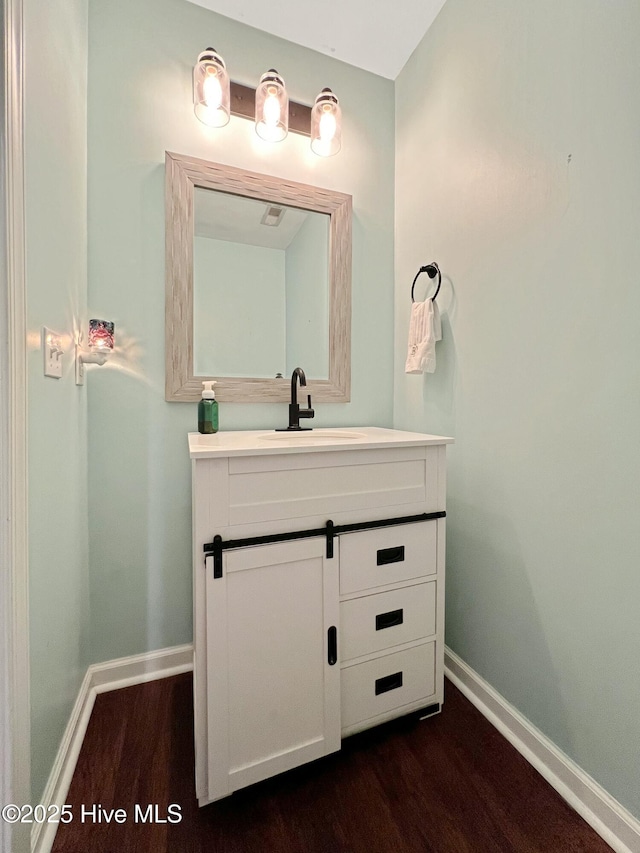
450,784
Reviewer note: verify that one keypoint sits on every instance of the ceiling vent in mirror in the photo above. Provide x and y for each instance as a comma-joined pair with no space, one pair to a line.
273,215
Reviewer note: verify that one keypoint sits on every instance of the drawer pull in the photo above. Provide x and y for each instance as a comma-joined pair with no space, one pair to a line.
389,682
390,555
332,645
388,620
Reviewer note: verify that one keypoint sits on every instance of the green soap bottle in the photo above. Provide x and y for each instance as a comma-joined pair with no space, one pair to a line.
208,410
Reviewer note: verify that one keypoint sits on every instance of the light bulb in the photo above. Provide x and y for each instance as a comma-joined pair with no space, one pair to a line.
271,110
212,91
326,131
328,125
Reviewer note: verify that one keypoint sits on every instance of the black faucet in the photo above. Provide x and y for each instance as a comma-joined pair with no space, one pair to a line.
295,412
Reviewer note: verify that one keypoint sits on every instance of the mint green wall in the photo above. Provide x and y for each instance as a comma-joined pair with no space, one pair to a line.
307,269
517,169
56,258
238,297
141,54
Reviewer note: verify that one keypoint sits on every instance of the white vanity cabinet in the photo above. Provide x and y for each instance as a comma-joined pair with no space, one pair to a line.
318,593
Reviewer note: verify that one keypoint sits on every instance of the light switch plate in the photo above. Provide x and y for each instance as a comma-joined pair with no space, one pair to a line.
52,349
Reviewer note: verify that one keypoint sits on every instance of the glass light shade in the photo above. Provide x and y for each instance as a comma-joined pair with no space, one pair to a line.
211,89
101,337
272,107
326,125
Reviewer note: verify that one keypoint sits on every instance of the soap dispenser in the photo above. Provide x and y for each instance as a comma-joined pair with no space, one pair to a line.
208,409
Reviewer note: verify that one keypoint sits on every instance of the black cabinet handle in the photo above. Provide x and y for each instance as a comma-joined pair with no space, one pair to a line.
389,682
388,620
332,644
390,555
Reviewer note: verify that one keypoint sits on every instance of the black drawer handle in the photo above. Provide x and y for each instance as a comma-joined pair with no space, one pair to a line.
388,620
332,645
390,555
389,682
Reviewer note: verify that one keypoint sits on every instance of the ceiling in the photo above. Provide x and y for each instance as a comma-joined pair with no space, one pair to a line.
378,36
238,219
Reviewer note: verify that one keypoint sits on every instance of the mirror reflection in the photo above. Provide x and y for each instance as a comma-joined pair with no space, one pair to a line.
260,287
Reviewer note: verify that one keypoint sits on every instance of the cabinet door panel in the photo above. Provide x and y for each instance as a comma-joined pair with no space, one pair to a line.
277,703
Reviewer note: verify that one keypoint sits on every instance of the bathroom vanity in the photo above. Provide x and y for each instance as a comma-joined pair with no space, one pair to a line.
318,593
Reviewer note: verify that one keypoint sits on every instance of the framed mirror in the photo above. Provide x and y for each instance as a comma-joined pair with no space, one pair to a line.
258,282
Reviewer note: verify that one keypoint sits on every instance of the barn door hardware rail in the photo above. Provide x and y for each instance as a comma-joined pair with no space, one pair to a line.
216,548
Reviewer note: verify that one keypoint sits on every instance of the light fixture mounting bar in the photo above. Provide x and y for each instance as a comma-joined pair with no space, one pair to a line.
243,100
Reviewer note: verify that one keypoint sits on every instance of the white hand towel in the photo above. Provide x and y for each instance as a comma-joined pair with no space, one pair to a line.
425,328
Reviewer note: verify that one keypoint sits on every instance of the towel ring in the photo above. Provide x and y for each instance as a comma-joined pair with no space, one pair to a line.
431,270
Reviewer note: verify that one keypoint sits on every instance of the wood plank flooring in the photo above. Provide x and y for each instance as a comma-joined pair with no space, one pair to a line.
449,784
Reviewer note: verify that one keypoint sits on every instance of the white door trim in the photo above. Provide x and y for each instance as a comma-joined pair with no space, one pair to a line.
14,587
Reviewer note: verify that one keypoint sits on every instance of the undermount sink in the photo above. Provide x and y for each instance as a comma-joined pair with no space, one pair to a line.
316,436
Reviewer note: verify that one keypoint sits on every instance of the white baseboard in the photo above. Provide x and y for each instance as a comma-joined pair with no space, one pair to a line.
617,826
100,678
123,672
55,792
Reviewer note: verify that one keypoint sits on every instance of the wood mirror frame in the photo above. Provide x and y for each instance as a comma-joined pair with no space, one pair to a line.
183,174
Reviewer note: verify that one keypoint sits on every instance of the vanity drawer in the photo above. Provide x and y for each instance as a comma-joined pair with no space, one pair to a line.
385,683
376,622
374,558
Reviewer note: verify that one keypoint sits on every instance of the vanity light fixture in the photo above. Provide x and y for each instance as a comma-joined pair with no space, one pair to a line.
211,89
326,125
101,342
215,98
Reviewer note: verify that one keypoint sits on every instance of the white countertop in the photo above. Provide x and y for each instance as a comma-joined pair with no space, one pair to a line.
263,442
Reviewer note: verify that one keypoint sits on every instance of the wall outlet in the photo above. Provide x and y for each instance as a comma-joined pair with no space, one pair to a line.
52,348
